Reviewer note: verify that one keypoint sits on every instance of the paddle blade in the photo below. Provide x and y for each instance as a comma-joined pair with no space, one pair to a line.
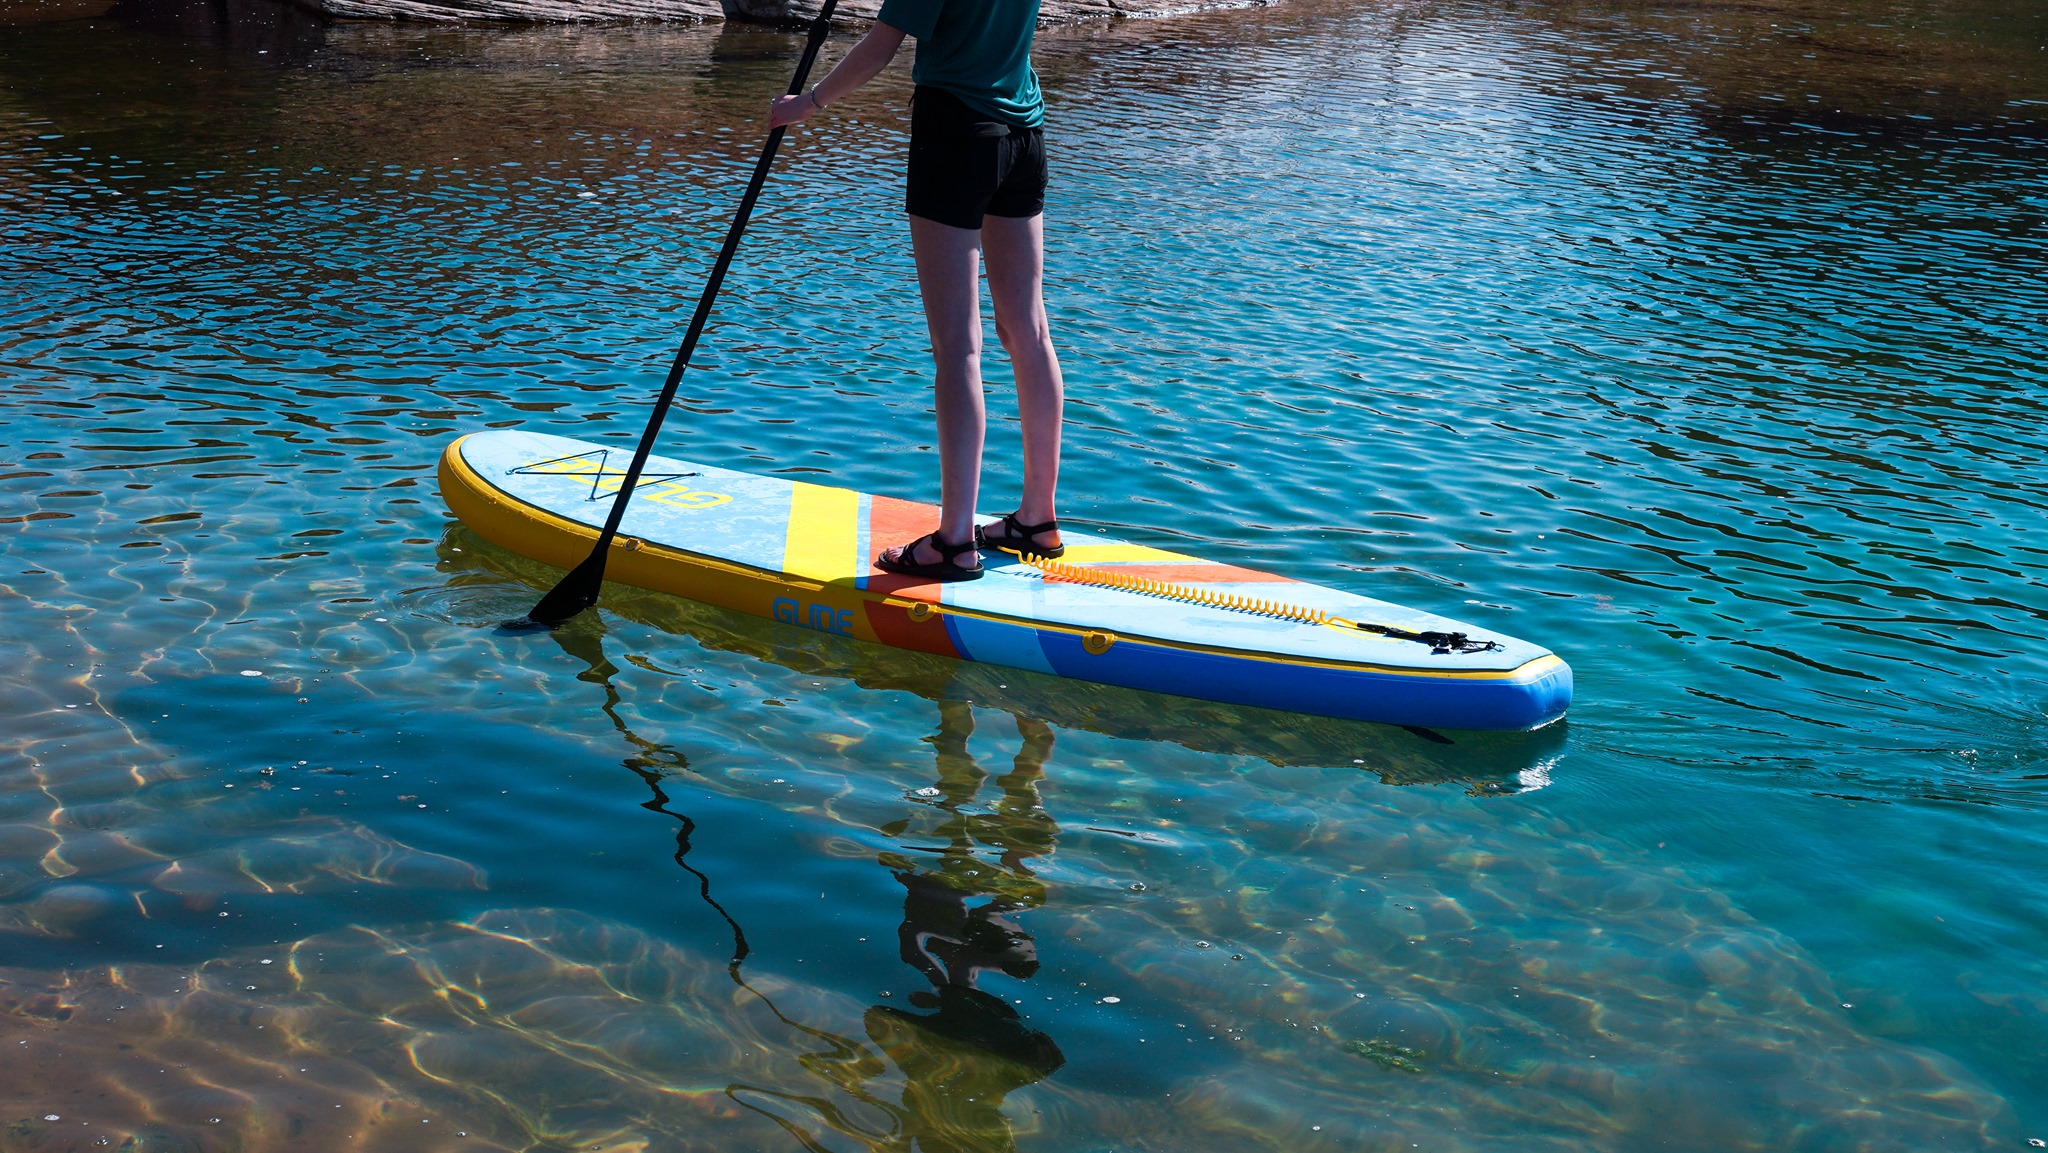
571,595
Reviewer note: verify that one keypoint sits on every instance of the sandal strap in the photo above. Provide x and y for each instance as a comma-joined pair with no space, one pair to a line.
1019,528
946,551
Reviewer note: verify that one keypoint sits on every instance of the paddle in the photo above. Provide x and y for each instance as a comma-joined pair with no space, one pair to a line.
579,590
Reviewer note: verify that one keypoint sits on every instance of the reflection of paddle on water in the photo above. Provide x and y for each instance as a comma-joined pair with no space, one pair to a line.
652,763
960,1049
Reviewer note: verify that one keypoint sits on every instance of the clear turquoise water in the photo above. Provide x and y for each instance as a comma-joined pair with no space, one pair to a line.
1702,345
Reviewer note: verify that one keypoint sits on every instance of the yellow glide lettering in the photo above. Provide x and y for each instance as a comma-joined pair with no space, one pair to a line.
677,496
824,618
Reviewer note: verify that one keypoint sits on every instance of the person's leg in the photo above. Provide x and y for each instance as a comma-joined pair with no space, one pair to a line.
1015,248
949,279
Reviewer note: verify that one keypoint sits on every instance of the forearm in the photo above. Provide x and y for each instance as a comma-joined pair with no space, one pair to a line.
857,67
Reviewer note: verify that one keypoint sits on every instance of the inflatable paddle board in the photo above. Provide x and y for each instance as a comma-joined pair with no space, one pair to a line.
1107,611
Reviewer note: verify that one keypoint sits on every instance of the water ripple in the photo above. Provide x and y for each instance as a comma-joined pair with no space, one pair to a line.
1700,346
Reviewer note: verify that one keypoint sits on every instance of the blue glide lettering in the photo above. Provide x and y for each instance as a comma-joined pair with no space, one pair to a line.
823,618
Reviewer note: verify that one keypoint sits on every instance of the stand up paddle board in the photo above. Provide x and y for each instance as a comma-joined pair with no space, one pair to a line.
1107,611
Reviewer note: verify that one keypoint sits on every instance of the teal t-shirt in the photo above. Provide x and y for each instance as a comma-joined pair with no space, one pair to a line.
979,50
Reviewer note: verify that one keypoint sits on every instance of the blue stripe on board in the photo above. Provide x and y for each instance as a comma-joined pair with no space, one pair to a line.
1016,646
1433,702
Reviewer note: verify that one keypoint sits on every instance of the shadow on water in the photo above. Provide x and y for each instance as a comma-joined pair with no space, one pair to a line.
245,28
1485,763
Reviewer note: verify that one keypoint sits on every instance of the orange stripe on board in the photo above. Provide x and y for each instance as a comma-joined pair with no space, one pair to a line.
894,625
892,522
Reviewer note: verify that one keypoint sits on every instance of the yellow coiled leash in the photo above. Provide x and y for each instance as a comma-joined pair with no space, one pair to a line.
1439,643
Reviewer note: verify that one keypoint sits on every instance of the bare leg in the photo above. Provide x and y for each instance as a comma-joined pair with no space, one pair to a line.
1015,248
949,278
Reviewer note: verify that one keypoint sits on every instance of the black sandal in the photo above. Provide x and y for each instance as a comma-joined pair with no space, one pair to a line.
1017,537
943,569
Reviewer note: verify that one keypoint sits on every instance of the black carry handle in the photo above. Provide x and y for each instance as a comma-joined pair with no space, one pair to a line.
579,590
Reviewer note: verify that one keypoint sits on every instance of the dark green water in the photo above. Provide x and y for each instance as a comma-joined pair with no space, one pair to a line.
1701,344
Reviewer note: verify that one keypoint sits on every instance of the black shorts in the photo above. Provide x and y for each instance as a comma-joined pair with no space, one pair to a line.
965,164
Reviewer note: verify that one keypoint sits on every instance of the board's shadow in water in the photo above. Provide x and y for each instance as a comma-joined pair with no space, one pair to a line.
487,585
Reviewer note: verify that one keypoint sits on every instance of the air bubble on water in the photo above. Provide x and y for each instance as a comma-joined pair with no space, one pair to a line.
1203,945
1112,1000
928,791
252,672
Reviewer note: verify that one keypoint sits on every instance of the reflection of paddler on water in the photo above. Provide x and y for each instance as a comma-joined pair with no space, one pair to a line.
969,1049
961,1050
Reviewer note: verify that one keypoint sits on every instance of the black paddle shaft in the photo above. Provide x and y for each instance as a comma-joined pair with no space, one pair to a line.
579,590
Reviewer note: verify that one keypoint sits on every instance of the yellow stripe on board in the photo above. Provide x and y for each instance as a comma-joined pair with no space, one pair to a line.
823,532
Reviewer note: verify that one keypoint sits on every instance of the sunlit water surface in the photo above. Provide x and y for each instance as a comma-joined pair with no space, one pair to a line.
1702,345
